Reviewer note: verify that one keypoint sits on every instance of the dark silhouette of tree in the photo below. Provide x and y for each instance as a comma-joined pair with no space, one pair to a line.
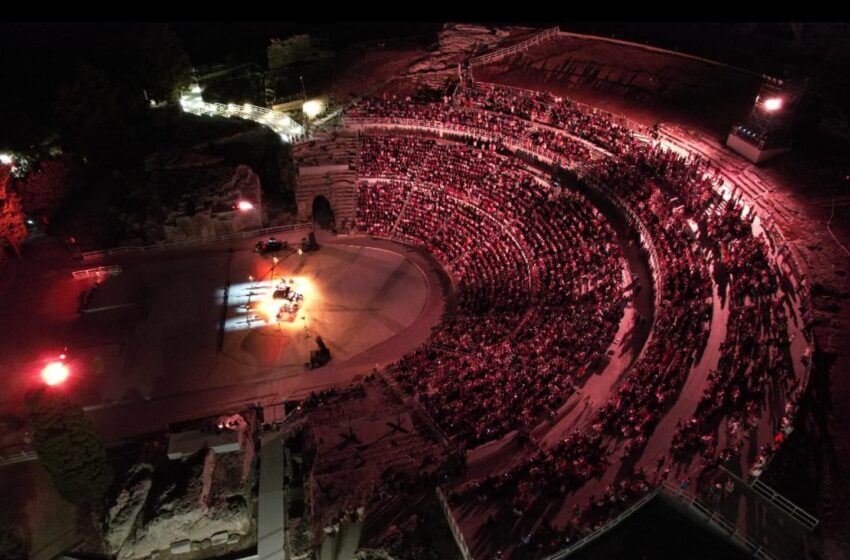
13,230
162,66
44,187
95,119
12,545
68,447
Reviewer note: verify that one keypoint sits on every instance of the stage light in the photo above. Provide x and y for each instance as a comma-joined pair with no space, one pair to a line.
313,108
773,103
256,307
6,159
55,373
268,307
245,205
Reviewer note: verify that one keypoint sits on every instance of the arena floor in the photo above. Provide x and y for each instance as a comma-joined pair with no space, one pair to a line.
147,351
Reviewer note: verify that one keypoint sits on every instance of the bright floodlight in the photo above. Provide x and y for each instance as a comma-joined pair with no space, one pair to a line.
5,159
55,373
312,108
773,104
245,205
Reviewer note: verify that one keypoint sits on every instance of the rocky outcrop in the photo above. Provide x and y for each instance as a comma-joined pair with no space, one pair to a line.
122,515
459,41
208,209
203,505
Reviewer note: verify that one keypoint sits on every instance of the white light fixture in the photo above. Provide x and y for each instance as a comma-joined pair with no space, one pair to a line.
313,108
773,103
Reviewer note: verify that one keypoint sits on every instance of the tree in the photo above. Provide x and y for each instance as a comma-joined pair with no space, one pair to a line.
68,447
42,189
13,230
95,119
163,67
12,545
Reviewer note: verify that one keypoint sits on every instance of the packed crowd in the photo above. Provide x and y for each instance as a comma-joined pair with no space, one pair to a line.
538,303
755,356
485,384
544,108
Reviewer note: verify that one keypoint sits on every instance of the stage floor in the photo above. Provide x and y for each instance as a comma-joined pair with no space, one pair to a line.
166,331
355,297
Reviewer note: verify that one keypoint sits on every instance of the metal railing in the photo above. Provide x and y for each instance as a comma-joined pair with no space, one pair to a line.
96,272
587,539
511,49
19,456
456,533
619,120
461,131
91,255
648,245
712,517
415,406
281,123
794,511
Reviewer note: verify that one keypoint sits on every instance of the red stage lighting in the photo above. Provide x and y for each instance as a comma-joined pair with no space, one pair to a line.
55,373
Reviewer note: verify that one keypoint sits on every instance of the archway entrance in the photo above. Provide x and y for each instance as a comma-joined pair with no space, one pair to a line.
323,214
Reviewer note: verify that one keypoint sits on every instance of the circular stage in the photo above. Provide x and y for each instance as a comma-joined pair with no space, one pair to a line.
355,296
175,325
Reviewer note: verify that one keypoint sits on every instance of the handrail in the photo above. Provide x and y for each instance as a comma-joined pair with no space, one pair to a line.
20,456
794,511
587,539
510,49
281,123
455,529
620,120
713,517
96,272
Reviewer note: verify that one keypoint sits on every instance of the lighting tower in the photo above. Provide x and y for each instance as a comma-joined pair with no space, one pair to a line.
766,132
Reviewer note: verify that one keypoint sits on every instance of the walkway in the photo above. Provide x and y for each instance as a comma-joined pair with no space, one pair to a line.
271,544
343,545
281,123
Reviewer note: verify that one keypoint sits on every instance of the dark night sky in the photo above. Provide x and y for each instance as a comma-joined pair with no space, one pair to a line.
39,57
42,56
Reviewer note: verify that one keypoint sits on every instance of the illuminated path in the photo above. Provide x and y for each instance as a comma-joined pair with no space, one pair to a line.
281,123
